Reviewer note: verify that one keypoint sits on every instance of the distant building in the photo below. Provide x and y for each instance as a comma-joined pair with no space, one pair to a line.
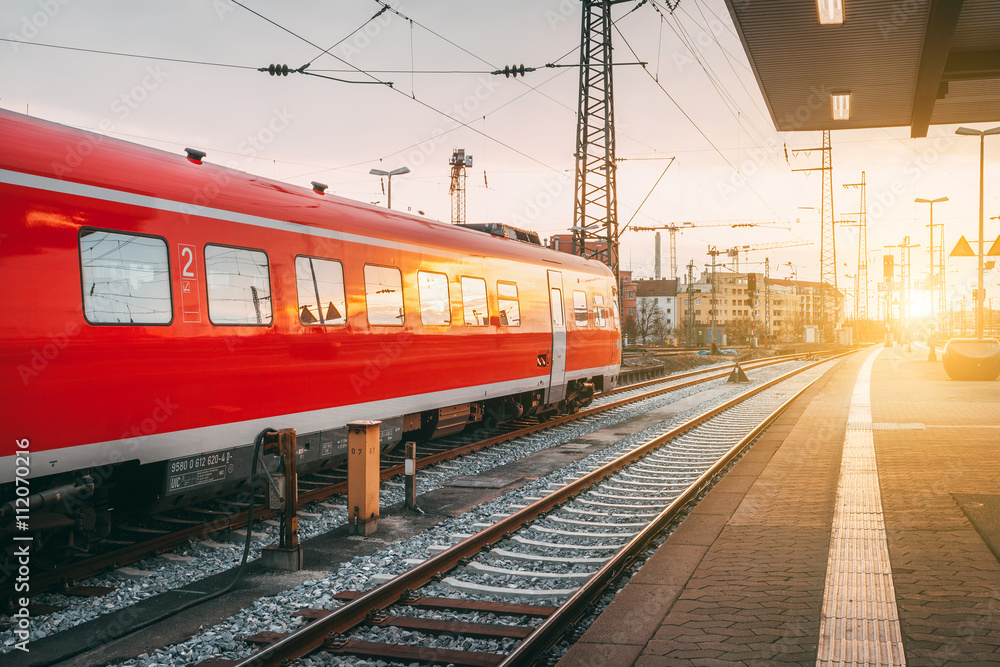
629,294
663,293
794,304
564,243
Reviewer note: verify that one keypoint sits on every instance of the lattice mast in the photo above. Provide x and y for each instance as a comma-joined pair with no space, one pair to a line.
828,247
828,243
595,209
690,311
861,275
673,251
458,161
767,302
713,252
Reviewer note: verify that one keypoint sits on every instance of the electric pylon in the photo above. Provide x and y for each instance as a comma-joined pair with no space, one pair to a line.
861,286
595,209
828,243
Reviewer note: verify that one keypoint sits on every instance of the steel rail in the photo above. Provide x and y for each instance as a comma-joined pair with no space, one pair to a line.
129,554
678,376
311,637
575,607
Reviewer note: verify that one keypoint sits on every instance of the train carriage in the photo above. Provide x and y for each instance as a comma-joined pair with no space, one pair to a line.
159,311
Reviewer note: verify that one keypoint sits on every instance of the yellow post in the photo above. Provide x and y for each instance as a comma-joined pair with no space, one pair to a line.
363,476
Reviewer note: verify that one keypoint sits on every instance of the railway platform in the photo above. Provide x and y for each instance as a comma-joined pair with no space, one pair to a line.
862,528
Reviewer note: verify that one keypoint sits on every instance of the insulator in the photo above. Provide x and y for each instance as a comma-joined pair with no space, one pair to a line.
506,71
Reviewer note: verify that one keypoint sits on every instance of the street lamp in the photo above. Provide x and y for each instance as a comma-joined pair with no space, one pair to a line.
975,358
390,174
982,152
931,356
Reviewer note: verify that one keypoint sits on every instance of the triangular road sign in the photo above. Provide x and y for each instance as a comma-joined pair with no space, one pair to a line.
994,249
962,249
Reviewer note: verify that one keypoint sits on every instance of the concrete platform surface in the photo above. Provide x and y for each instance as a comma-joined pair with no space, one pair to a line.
741,581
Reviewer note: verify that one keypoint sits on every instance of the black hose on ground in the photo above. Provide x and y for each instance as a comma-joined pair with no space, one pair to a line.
131,629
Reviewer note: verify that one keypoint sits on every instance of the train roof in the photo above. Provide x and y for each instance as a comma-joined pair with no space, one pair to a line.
51,150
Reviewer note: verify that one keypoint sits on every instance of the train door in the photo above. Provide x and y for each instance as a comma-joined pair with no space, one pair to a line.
557,358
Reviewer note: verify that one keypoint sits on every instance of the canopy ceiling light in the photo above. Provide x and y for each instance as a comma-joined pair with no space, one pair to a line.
841,105
830,11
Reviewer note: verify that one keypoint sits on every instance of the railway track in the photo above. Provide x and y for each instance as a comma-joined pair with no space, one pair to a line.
568,546
164,532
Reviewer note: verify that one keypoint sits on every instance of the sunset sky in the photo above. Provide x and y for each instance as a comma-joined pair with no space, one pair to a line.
730,163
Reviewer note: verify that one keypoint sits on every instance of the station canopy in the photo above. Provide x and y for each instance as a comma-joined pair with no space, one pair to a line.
873,63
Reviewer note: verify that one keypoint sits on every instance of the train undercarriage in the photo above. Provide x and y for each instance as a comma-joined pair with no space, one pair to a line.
69,514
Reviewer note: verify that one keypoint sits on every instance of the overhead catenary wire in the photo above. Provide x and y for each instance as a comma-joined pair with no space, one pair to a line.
320,73
536,88
647,196
255,68
728,58
415,99
698,128
699,57
126,55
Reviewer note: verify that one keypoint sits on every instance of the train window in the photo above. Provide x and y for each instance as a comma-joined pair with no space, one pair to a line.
239,286
384,295
474,301
555,304
435,303
580,316
614,306
320,286
126,278
600,317
510,310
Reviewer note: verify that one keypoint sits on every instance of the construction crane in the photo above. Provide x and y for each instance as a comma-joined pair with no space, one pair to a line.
458,161
735,251
675,227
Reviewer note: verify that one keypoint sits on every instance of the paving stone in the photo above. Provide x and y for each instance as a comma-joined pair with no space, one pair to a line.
585,654
753,578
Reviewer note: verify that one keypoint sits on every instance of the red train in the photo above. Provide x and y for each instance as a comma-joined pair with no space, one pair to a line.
171,309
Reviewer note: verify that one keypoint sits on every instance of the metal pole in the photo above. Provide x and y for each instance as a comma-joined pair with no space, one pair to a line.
930,255
909,292
290,521
287,553
931,355
410,476
979,302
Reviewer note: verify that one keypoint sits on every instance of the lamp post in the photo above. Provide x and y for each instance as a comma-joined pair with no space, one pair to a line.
982,152
390,174
931,355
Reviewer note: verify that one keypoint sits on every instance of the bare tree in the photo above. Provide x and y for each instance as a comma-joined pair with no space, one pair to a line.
738,331
629,330
649,321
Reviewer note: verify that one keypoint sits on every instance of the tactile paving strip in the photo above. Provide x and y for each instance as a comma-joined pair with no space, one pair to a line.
860,622
886,426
